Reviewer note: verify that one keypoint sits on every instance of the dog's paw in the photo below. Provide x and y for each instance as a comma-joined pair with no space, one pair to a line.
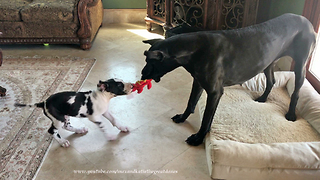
82,130
123,128
291,117
178,118
195,140
111,137
261,99
64,143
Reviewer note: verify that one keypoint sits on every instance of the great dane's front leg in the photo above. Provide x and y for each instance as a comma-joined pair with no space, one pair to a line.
193,100
211,106
114,122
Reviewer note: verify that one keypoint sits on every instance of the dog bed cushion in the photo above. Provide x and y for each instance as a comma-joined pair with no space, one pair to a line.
240,118
308,103
255,141
233,160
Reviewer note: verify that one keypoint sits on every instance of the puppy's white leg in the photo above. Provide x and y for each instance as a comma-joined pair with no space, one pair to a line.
55,133
105,127
67,126
114,122
53,130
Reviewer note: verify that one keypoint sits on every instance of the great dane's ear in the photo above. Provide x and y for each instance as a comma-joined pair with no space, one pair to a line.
151,41
157,55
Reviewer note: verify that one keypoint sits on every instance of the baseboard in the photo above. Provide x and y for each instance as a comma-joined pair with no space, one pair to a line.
124,16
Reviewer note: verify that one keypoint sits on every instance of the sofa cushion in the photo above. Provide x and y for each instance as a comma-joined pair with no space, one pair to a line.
49,11
10,9
38,30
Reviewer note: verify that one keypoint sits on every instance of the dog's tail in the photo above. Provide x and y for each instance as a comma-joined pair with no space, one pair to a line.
39,105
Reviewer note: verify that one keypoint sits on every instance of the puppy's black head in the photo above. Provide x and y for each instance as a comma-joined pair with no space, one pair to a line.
114,86
158,61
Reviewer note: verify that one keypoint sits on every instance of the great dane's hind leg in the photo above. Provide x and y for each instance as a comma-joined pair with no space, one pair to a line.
67,126
303,47
211,106
269,73
193,100
299,72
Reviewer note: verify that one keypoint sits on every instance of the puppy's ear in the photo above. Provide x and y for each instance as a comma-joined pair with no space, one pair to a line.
105,87
157,55
151,41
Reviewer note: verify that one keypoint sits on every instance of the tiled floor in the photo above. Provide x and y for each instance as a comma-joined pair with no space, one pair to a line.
154,143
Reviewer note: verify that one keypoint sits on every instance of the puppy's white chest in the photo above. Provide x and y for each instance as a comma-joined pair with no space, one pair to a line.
100,105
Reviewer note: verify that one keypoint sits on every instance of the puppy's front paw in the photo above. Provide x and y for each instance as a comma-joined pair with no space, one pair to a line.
178,118
123,128
64,143
82,130
111,137
195,140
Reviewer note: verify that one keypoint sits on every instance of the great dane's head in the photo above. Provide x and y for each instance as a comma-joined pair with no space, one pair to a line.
158,60
115,86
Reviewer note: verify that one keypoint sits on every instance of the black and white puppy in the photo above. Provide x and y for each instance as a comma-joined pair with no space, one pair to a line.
91,104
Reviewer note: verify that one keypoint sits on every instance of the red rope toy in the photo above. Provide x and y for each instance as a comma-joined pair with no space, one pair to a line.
139,85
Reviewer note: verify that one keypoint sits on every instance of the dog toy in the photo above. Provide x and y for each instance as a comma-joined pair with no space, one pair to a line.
139,85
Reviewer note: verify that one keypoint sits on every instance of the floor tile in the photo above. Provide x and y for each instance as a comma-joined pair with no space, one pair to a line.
154,144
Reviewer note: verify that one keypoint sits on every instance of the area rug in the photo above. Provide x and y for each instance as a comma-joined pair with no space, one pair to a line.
23,131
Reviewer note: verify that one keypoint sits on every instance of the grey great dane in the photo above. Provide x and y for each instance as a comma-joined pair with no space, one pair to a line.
216,59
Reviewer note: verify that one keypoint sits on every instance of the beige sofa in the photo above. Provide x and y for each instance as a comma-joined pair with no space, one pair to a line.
50,21
253,141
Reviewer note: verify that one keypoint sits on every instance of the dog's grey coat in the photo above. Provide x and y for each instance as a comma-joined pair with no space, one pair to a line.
222,58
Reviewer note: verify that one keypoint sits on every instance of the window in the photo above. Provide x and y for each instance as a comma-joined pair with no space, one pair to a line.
312,12
314,67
